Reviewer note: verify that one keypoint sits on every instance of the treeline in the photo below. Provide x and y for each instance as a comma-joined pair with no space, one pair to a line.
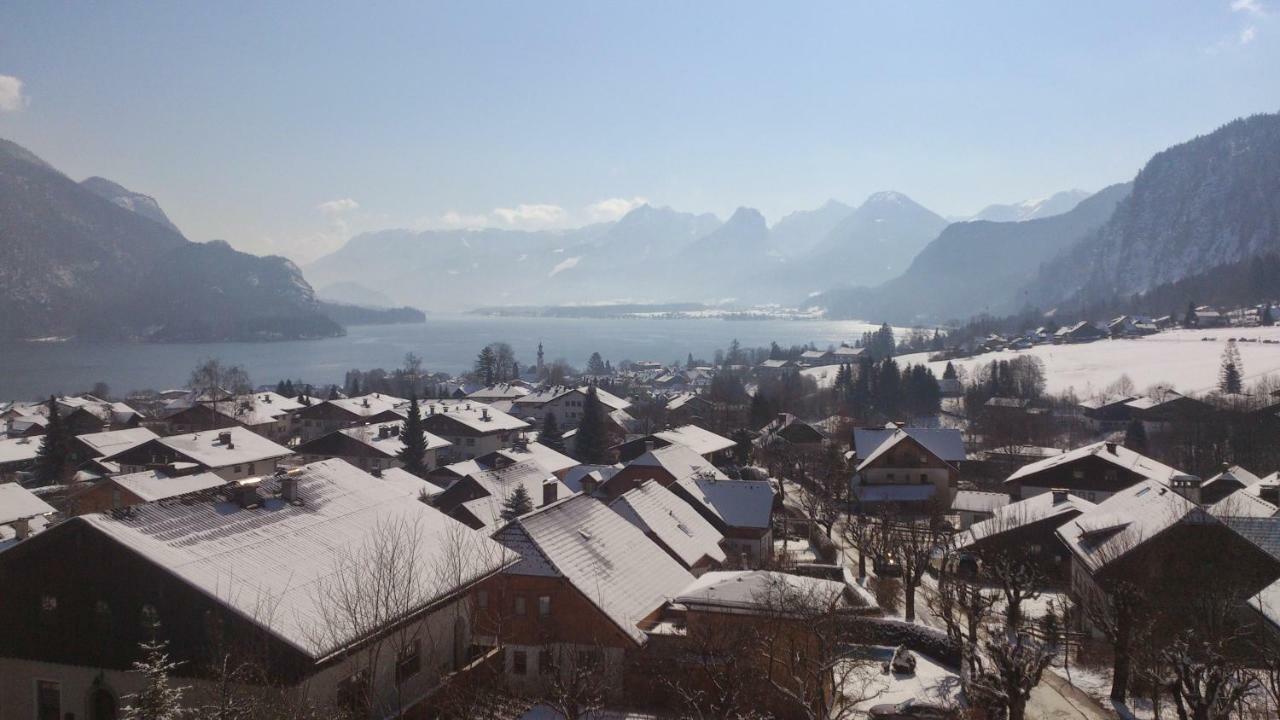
878,390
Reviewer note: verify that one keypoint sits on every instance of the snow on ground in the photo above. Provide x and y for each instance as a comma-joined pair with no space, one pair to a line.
1181,358
932,682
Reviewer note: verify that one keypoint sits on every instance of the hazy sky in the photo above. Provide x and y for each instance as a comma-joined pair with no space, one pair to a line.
288,127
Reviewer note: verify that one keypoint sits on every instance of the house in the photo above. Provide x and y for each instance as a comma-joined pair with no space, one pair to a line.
704,442
123,491
255,566
742,510
666,465
509,392
232,453
1107,413
17,457
368,447
1149,537
974,506
552,461
918,467
1162,409
325,417
1208,317
846,354
586,587
818,358
90,447
475,429
674,525
1093,472
1081,332
477,498
1231,480
269,414
777,368
22,514
792,431
565,402
1027,527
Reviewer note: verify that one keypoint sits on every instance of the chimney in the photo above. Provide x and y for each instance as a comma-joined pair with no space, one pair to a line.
484,414
22,528
431,409
365,402
224,438
548,491
384,431
1111,447
289,489
247,496
590,482
650,445
1059,496
1270,493
1188,486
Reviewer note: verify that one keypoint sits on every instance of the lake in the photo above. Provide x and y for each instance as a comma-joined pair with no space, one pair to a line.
446,343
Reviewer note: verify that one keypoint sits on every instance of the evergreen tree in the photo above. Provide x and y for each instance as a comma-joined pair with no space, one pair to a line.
414,453
517,503
355,387
950,372
333,392
289,390
592,441
1230,377
551,435
1191,319
1267,318
860,395
595,365
688,364
1135,436
53,458
887,389
741,446
761,413
280,388
158,700
487,366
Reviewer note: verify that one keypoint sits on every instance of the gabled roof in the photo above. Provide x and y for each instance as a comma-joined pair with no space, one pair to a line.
679,461
1034,509
258,408
546,395
17,502
408,483
474,415
655,509
978,501
1114,453
1242,504
738,503
500,391
279,554
498,484
609,560
550,460
367,405
390,445
946,443
16,450
152,485
114,441
1126,520
574,476
703,442
761,590
208,450
1101,401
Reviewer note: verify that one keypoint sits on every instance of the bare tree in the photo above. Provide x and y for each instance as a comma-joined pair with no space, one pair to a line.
1017,664
861,532
1118,610
722,680
913,543
1017,574
1210,676
963,608
216,380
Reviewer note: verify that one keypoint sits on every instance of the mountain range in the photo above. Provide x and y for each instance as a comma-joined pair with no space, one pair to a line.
96,260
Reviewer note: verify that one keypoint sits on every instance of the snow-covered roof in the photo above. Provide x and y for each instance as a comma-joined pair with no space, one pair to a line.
500,391
389,444
655,509
978,501
475,415
546,395
1113,453
760,590
280,555
1235,474
208,450
16,450
1022,513
546,458
17,502
1101,401
152,485
1267,602
574,476
946,443
738,503
703,442
501,482
368,405
1122,522
1242,504
258,408
408,483
899,435
679,400
114,441
679,461
609,560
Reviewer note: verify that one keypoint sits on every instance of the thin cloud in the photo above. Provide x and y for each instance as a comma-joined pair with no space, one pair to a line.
1253,7
12,98
531,216
1248,34
613,208
455,219
339,206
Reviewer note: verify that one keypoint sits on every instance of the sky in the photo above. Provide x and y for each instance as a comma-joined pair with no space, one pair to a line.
287,127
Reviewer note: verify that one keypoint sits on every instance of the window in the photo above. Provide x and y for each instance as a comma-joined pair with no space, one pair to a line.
1077,474
48,700
519,662
891,476
520,605
236,469
544,605
482,599
546,662
408,662
352,691
924,477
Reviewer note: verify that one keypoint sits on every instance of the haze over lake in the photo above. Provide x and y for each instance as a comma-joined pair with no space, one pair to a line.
446,343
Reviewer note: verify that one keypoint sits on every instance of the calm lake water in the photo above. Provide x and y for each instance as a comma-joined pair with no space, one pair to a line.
448,343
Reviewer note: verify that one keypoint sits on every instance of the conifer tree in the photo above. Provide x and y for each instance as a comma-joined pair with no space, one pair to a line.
551,435
1191,319
1135,436
333,392
592,442
487,366
1230,377
761,414
53,458
1267,319
158,700
741,446
950,372
517,503
355,386
414,452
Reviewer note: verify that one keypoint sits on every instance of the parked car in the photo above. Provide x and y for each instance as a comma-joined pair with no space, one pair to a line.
912,710
887,565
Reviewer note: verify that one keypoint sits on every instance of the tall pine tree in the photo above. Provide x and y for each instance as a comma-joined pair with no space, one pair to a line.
1231,376
487,366
551,435
53,458
414,452
517,503
592,441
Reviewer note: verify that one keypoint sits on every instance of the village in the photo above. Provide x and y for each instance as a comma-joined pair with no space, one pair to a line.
718,538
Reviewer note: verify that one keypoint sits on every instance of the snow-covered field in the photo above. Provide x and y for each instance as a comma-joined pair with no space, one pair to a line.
1181,358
